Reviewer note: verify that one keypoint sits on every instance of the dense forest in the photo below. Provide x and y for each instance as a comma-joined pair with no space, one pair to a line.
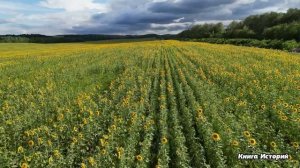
269,30
281,26
37,38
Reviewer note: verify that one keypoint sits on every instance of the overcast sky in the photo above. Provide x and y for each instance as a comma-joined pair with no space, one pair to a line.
52,17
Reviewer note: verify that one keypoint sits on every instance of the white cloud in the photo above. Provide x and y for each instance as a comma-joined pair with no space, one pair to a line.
225,22
178,20
48,22
74,5
244,2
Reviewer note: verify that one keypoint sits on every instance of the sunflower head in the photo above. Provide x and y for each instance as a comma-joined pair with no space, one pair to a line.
84,121
283,118
247,134
133,114
120,152
252,142
40,141
50,160
235,143
286,105
24,165
103,152
60,117
273,144
227,99
295,145
20,149
30,143
120,149
216,137
92,161
56,153
164,140
114,127
83,165
75,129
139,158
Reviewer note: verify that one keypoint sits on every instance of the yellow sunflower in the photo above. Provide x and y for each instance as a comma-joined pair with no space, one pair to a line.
92,161
82,165
24,165
235,143
283,118
295,145
30,143
103,152
273,144
252,142
139,158
20,149
247,134
164,140
216,137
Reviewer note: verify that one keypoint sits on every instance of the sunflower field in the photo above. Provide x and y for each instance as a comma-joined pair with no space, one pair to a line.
147,104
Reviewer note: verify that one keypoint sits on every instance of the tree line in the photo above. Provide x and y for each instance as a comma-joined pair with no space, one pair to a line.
38,38
272,25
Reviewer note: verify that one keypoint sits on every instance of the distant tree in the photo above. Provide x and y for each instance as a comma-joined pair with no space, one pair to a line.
284,32
292,15
272,25
257,23
204,31
238,30
218,30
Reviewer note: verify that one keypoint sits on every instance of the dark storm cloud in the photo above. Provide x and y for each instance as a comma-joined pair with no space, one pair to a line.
186,6
133,17
125,22
154,18
138,17
111,29
246,10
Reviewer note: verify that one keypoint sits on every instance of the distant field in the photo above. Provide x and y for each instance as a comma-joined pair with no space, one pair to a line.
147,104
